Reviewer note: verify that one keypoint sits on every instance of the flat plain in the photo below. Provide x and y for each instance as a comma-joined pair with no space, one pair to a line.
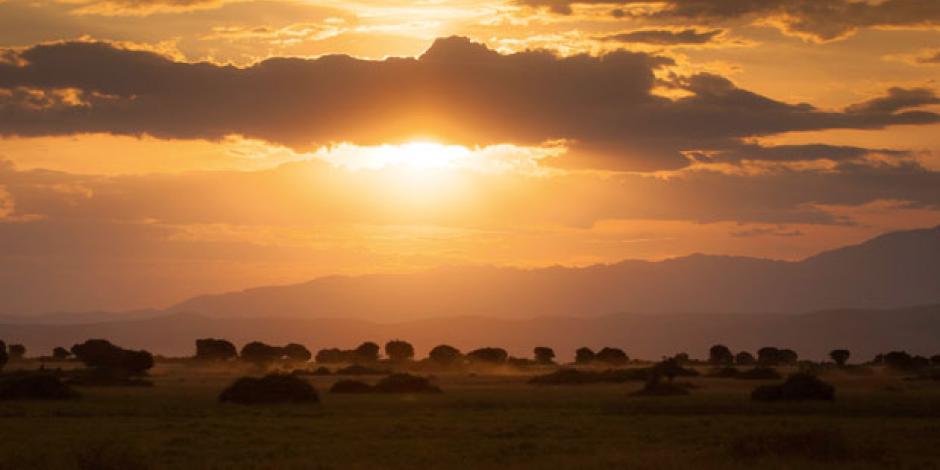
481,420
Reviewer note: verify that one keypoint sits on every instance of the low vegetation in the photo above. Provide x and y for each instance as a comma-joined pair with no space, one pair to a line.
797,387
270,389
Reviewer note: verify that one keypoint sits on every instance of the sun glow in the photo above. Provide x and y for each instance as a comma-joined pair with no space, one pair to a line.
423,156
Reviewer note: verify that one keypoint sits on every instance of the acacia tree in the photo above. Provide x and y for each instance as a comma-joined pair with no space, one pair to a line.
4,357
612,356
261,354
744,358
544,355
444,355
584,355
399,351
488,355
60,353
212,349
840,356
367,352
719,354
297,352
101,354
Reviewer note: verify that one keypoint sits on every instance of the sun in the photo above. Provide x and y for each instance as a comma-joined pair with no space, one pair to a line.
413,156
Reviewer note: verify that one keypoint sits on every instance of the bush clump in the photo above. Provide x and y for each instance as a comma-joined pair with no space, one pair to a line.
35,386
272,388
351,386
724,373
658,388
798,387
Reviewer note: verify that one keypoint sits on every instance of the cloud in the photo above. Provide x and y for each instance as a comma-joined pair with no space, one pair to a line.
142,7
817,19
665,37
457,91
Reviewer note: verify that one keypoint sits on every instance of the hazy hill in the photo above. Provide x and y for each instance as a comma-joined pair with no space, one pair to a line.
894,270
813,335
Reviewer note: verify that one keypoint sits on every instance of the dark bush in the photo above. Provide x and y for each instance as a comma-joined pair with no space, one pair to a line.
759,373
744,358
770,356
670,369
357,369
321,371
211,349
272,388
351,386
35,386
612,356
488,355
4,356
544,355
405,383
724,373
101,354
297,352
657,388
719,354
584,356
577,377
333,356
399,351
797,387
935,360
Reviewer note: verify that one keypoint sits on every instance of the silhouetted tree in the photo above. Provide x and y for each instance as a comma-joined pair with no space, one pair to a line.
333,356
668,368
17,351
444,355
898,360
261,354
212,349
60,353
399,351
367,352
920,362
297,352
488,355
770,356
612,356
544,354
719,354
101,354
788,356
4,356
744,358
584,356
840,356
682,358
935,359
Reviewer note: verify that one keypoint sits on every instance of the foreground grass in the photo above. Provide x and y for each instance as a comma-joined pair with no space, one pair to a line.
479,422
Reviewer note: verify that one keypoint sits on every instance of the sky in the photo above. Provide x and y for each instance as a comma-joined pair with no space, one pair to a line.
151,150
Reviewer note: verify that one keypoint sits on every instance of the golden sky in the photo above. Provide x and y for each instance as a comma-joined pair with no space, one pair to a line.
155,149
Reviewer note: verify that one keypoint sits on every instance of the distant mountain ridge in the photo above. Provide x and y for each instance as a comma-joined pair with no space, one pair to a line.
897,269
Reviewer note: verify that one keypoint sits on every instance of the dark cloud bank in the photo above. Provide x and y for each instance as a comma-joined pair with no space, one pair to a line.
457,91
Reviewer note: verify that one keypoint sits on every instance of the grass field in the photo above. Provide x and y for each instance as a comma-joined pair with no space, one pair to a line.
484,421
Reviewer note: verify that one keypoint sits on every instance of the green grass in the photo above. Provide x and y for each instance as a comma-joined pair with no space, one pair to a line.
478,422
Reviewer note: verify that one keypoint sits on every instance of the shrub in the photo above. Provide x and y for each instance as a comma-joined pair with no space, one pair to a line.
211,349
405,383
4,357
797,387
399,351
724,373
272,388
35,386
759,373
720,354
770,356
657,388
488,355
333,356
670,369
357,369
351,386
321,371
101,354
444,355
544,355
366,352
